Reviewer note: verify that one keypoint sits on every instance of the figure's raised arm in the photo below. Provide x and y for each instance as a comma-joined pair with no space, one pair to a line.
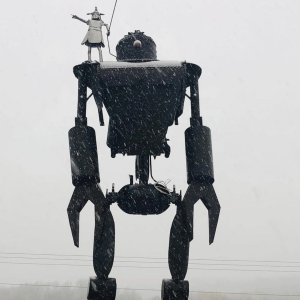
75,17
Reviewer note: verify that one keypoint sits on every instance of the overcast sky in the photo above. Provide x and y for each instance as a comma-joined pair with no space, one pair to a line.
249,88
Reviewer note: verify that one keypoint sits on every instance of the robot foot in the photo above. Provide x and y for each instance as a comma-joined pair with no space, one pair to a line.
102,289
172,290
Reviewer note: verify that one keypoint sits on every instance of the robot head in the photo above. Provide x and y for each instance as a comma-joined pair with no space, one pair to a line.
136,47
95,14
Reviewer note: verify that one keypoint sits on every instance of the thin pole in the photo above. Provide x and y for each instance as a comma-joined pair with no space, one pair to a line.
109,47
110,27
113,14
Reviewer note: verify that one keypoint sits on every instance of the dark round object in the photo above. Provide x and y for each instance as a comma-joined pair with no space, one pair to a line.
136,47
172,290
142,199
102,289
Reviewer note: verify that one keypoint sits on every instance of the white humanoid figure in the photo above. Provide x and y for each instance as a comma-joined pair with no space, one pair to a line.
94,38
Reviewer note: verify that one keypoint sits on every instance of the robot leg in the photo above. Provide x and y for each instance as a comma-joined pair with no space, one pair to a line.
200,179
177,288
102,287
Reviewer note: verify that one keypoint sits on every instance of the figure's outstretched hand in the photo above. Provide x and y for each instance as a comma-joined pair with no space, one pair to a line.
74,16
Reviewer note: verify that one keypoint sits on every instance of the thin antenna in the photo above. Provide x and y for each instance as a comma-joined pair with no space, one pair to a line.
109,29
112,14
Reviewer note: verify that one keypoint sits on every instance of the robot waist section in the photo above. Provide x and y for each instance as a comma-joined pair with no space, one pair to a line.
137,137
142,199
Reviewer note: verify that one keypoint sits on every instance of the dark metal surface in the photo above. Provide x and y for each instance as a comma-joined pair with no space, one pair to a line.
83,154
193,73
142,168
206,193
102,289
141,103
143,97
104,241
128,51
179,246
78,200
82,98
172,290
143,199
199,160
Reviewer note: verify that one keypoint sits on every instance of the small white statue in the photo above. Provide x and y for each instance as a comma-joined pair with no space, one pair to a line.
94,38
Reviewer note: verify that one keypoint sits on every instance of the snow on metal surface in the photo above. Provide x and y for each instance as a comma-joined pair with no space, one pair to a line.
148,64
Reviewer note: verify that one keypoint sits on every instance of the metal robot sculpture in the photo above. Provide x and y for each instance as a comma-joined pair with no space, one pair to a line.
143,97
94,38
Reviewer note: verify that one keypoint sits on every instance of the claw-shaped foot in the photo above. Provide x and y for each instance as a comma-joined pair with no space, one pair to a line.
172,290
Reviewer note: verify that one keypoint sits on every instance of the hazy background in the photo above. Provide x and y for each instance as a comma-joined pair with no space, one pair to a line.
249,53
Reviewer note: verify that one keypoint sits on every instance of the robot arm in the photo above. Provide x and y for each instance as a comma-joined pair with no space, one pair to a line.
199,160
77,18
84,165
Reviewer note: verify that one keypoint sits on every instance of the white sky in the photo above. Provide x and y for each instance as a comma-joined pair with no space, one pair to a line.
249,53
